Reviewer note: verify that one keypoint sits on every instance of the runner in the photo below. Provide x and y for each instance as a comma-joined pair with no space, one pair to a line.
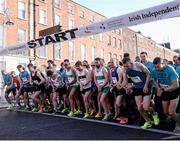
15,80
167,85
140,75
102,82
84,80
38,82
62,73
25,87
156,101
9,87
93,103
117,76
58,87
73,88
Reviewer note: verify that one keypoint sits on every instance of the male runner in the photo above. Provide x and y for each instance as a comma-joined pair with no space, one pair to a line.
167,85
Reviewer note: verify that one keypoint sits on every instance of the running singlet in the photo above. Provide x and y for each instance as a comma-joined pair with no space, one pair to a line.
24,76
100,77
16,81
7,79
35,77
114,75
83,79
166,76
62,73
70,77
138,77
57,82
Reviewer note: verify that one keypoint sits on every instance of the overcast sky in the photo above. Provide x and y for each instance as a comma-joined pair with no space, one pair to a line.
160,31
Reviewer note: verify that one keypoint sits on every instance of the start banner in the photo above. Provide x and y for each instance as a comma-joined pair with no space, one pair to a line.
160,12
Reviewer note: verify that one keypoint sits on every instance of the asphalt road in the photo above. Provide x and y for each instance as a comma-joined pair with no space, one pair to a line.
22,126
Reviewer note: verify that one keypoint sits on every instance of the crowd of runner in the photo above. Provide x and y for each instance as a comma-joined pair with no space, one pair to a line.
125,90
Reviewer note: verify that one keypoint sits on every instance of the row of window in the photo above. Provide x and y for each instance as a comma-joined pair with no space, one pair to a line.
42,12
71,52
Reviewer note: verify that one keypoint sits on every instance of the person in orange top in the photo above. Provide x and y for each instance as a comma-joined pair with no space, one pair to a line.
15,80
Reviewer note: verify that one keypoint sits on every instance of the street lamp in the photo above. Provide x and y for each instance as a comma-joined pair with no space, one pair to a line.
7,22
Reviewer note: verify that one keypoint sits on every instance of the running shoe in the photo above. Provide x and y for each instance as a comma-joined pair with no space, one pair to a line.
71,114
123,120
119,118
98,115
34,109
92,112
87,115
78,112
10,108
115,116
106,117
156,120
65,110
147,125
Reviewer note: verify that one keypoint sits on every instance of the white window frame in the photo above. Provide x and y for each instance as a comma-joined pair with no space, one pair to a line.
70,8
102,53
93,37
59,49
83,52
55,16
119,44
2,35
45,51
93,53
69,51
92,18
43,17
73,23
114,42
109,39
57,5
20,1
82,14
2,6
109,56
19,32
101,37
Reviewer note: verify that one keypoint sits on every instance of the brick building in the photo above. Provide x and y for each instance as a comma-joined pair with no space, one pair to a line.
135,42
31,16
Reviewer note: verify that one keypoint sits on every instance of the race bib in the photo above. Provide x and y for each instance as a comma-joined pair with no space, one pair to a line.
114,80
100,82
136,79
163,85
25,80
70,80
